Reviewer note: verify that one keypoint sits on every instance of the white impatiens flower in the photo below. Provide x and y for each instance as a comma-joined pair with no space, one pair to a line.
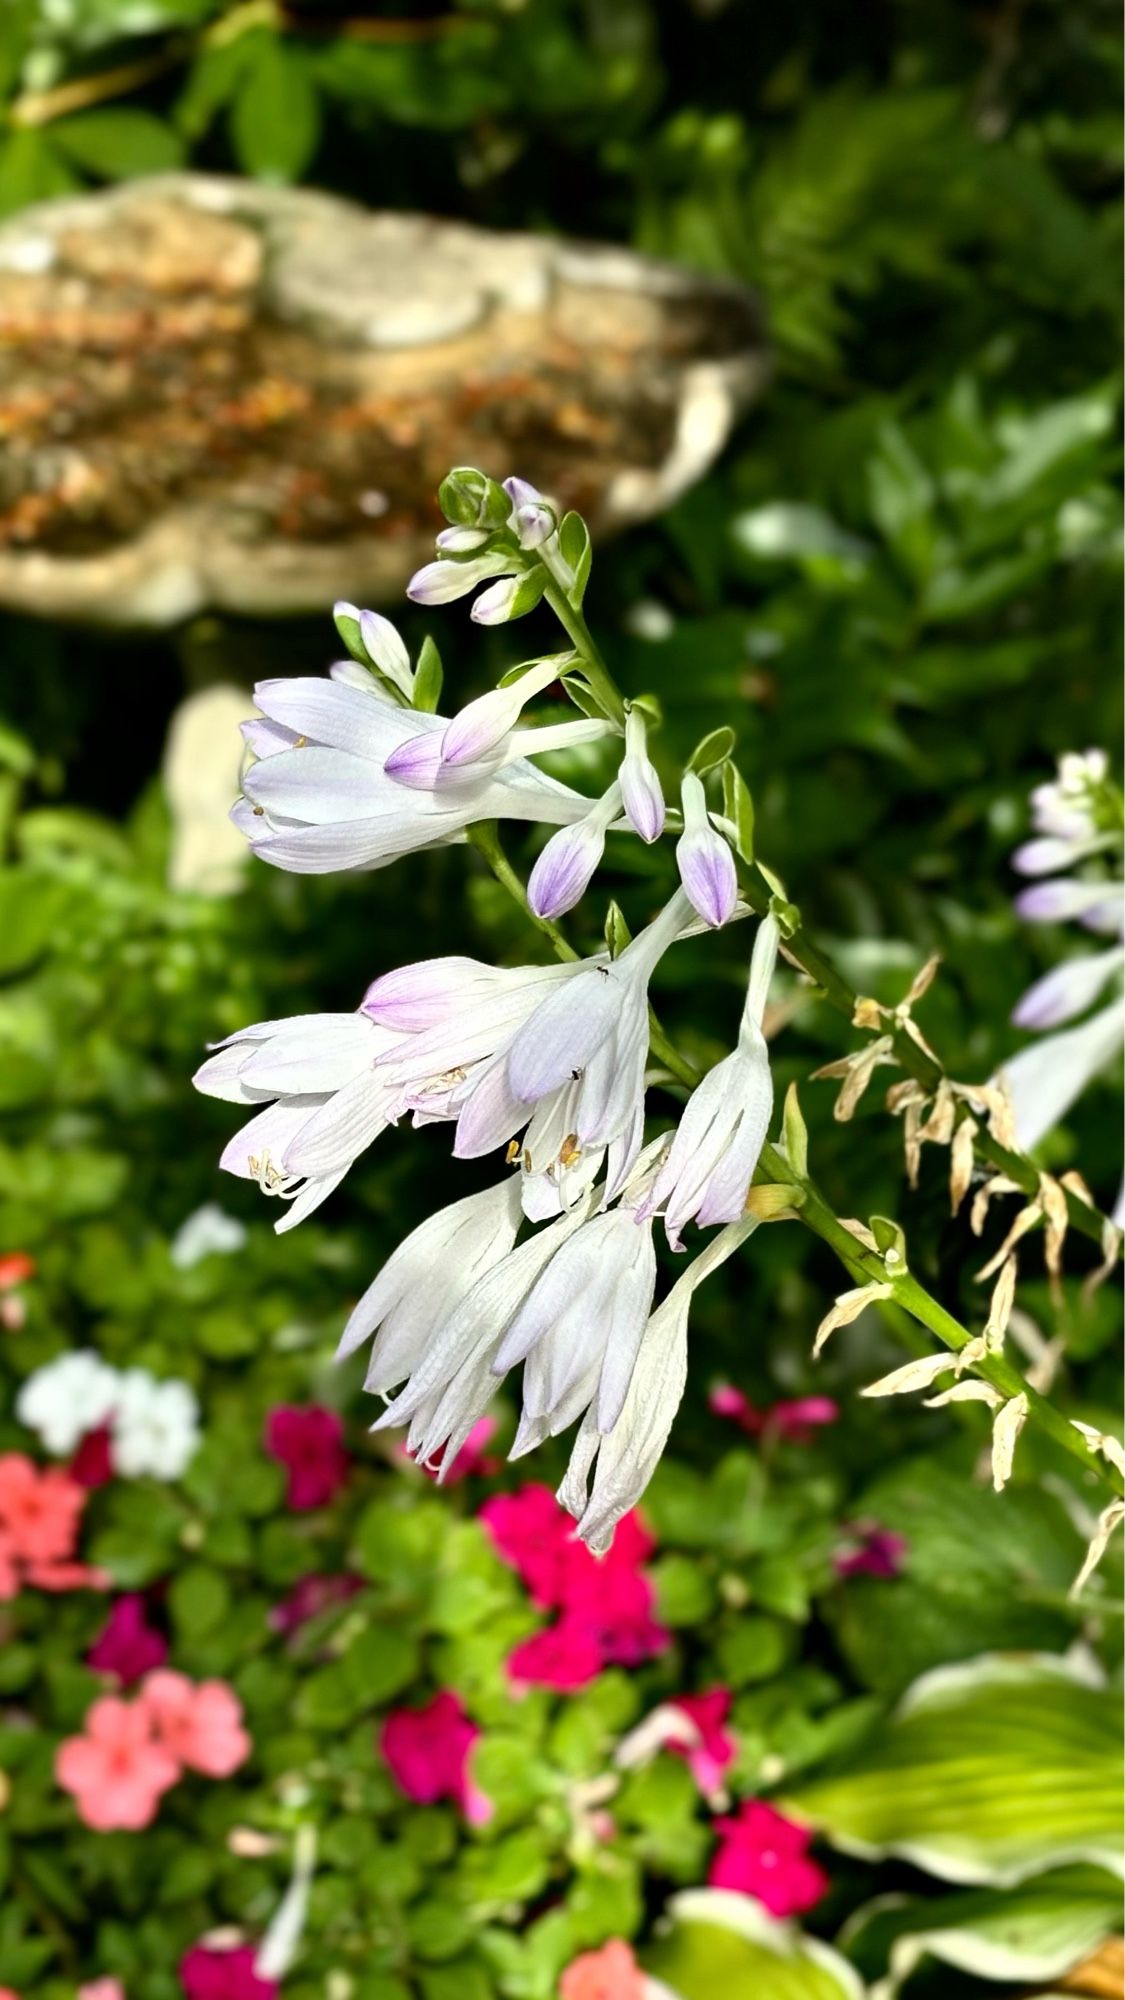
67,1398
318,1097
711,1162
624,1459
154,1426
319,797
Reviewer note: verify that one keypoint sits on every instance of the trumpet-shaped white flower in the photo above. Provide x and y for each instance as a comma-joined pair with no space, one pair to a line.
319,798
704,859
624,1459
715,1150
319,1102
1048,1076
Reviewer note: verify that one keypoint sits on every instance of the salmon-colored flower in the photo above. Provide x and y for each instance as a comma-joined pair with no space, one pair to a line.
610,1973
199,1724
116,1770
39,1515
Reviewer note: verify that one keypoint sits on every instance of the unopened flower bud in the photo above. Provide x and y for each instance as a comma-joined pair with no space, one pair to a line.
563,871
533,519
469,499
641,794
705,862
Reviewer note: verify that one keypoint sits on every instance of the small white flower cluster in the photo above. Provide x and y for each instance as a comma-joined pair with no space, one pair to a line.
1078,826
548,1062
153,1426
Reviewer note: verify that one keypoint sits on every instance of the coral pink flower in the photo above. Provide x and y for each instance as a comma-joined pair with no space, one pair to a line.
8,1993
309,1443
428,1751
565,1656
473,1461
101,1989
126,1646
116,1770
871,1551
16,1267
92,1464
209,1974
794,1420
309,1596
39,1509
611,1973
712,1754
200,1725
766,1855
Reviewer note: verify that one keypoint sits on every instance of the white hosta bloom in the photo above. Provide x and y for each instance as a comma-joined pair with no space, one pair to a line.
711,1162
1068,989
155,1426
566,866
319,797
1064,808
1047,1077
624,1460
424,1280
704,859
319,1102
534,517
66,1398
452,1382
641,794
484,725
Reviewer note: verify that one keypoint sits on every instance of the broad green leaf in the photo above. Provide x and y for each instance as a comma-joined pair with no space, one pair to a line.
120,143
724,1943
712,751
1027,1934
32,169
987,1772
428,678
275,123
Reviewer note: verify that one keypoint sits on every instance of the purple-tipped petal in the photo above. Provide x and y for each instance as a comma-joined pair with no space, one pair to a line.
416,762
707,872
642,797
1058,901
563,871
415,998
1044,856
443,582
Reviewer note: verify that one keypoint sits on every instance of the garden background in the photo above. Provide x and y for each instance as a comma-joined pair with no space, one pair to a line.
902,582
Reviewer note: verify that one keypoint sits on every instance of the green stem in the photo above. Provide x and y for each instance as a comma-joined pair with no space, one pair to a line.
485,838
597,673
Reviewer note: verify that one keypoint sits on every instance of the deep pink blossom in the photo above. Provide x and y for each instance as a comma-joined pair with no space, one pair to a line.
870,1551
564,1656
763,1854
309,1443
473,1461
428,1752
209,1974
127,1646
714,1750
794,1420
614,1604
606,1603
92,1463
533,1533
310,1596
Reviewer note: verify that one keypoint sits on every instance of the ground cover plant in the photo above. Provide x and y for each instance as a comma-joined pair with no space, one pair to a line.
834,1712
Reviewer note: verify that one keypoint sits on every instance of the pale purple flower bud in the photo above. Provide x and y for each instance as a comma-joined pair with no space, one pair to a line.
641,795
415,998
443,582
385,649
416,762
1045,856
563,871
534,520
462,541
1106,916
482,725
1067,990
705,862
1057,902
497,604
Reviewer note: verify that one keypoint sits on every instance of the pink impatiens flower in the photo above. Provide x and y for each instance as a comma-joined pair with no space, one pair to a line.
473,1461
116,1770
428,1751
309,1443
207,1973
126,1646
40,1510
870,1551
713,1751
763,1854
795,1420
563,1656
107,1988
531,1532
199,1724
610,1973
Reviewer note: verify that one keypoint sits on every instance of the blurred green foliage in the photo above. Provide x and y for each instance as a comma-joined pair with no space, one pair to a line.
902,587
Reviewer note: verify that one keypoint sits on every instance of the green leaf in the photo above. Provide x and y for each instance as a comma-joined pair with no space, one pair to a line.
574,542
987,1772
119,144
275,123
1028,1934
31,170
738,808
711,751
724,1943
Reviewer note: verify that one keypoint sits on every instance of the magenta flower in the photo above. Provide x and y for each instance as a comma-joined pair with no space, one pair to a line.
871,1551
763,1854
473,1461
92,1463
428,1751
127,1647
310,1596
606,1603
563,1656
533,1535
614,1604
713,1752
210,1974
309,1443
794,1421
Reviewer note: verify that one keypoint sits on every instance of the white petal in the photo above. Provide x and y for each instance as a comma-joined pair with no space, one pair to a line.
1045,1078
